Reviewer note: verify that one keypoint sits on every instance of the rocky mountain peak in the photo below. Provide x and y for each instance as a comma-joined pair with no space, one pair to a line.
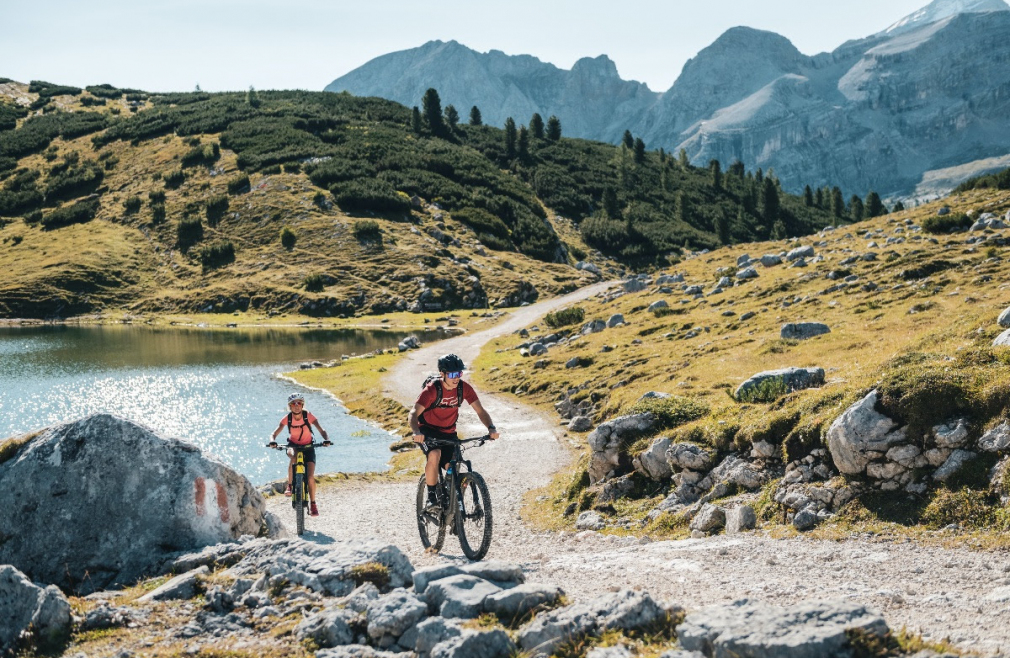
941,9
601,66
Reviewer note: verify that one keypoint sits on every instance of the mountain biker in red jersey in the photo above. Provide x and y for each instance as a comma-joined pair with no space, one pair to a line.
299,423
435,414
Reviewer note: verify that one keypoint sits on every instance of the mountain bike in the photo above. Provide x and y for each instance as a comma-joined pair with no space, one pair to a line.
464,503
300,486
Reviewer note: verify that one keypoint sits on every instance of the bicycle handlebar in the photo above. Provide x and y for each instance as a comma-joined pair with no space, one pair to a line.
285,446
480,440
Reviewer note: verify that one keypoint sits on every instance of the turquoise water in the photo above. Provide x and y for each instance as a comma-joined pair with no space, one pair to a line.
218,389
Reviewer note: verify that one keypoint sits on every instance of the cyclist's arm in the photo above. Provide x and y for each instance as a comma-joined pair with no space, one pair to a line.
326,437
415,426
280,426
485,418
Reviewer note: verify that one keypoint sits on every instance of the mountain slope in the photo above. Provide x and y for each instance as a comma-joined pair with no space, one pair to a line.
881,113
325,204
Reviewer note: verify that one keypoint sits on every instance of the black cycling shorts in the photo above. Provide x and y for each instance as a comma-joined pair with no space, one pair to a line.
310,453
446,455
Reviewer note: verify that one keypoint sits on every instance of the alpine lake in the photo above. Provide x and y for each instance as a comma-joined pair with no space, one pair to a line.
220,389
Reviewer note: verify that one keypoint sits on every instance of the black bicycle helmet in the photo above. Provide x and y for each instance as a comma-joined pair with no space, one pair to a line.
450,363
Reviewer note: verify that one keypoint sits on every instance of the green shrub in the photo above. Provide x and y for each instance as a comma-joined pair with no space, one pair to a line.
188,232
969,508
174,179
216,254
313,283
217,206
672,411
72,179
48,89
271,170
156,196
371,195
132,204
33,217
768,390
205,154
371,572
292,167
577,252
88,101
77,213
157,213
288,238
104,91
565,317
946,223
482,221
239,185
367,230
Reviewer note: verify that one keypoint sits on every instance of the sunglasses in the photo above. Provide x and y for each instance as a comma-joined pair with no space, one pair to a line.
453,375
300,403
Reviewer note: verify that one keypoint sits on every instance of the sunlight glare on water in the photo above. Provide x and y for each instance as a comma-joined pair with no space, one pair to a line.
219,390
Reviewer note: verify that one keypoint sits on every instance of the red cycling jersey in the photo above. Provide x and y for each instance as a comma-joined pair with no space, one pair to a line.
443,417
299,433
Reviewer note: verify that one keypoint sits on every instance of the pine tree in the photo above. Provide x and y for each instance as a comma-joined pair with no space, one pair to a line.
451,116
628,140
537,126
874,206
610,203
252,97
759,175
510,138
837,203
722,227
432,106
716,170
639,151
682,159
475,117
682,209
737,169
524,144
898,207
553,129
819,198
808,197
662,156
769,202
415,120
856,209
778,231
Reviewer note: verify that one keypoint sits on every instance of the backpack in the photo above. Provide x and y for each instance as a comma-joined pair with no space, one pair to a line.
305,418
434,379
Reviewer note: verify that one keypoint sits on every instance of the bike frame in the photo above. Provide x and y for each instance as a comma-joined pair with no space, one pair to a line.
300,485
451,476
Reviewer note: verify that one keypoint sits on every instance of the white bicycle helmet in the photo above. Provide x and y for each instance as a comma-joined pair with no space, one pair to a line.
295,396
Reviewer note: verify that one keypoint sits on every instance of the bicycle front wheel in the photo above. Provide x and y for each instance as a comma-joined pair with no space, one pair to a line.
298,500
474,522
430,525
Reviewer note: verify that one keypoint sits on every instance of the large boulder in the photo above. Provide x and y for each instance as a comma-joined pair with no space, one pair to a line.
514,603
105,501
624,610
861,429
25,607
805,251
605,442
461,596
390,616
792,379
760,630
803,330
689,456
487,644
996,439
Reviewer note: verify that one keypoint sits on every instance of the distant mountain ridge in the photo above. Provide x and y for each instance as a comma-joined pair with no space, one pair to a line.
930,92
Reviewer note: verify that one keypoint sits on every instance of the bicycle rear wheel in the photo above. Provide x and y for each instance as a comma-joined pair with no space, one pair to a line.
429,525
298,500
474,522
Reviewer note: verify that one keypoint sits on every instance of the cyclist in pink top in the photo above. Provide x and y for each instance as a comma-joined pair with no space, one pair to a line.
299,423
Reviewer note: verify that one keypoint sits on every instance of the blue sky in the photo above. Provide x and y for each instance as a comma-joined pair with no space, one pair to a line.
271,44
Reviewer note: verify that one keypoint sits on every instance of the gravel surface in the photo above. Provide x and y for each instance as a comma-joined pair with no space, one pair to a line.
962,595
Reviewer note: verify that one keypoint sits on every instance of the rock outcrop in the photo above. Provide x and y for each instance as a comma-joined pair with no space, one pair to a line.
26,609
104,501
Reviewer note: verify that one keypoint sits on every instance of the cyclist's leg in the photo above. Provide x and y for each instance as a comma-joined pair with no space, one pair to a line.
291,468
431,468
310,471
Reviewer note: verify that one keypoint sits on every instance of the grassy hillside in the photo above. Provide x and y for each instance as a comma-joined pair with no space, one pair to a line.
917,324
298,202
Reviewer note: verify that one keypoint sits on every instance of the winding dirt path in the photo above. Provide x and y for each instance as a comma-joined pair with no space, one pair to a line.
959,594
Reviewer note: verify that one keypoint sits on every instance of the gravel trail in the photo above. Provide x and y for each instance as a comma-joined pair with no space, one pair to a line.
960,594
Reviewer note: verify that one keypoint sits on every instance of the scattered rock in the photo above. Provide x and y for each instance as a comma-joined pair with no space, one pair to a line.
615,320
593,327
689,456
459,596
747,273
605,442
590,520
170,498
951,435
393,614
652,462
517,602
792,379
580,424
709,519
770,260
800,252
1003,340
328,628
859,431
27,608
739,519
655,306
634,285
997,439
805,519
536,349
760,630
434,631
184,586
486,644
1004,318
803,330
954,462
624,610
